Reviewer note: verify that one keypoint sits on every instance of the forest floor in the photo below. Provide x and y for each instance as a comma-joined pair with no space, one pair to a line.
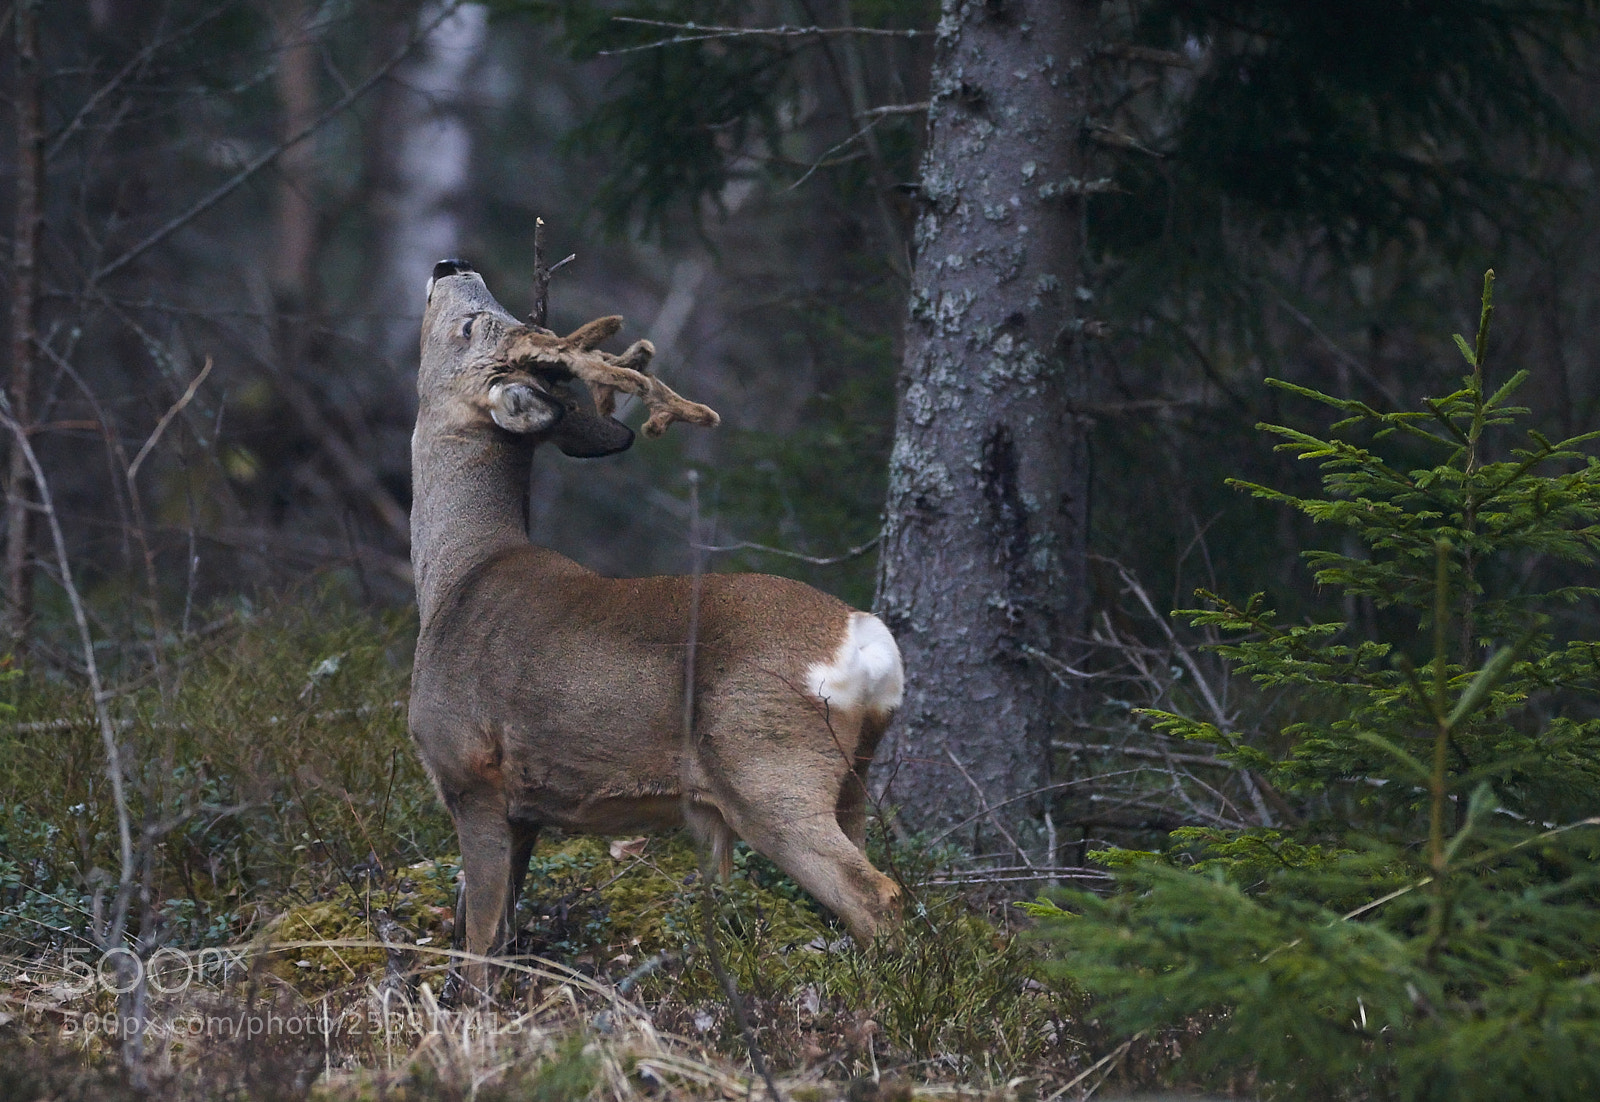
300,885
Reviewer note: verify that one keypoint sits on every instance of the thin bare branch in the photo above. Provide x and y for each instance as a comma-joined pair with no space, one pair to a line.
1218,713
1143,752
814,560
994,820
1124,51
262,160
823,160
694,32
893,109
1057,786
1349,359
134,64
166,419
108,733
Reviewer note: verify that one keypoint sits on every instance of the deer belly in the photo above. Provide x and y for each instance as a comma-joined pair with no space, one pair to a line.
594,785
618,811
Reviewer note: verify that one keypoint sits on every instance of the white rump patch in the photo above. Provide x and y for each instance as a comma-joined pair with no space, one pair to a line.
865,671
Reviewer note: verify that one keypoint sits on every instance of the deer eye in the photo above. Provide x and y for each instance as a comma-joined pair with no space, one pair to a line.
466,327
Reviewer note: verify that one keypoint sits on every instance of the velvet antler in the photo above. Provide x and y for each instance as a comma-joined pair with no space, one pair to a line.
577,357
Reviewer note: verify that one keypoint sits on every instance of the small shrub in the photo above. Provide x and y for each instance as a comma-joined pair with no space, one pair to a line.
1427,932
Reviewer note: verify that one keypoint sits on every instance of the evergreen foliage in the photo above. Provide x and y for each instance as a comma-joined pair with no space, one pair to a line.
685,118
1428,932
1358,123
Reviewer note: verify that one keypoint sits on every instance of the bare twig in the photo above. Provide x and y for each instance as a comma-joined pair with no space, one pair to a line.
1149,55
1020,874
1350,360
1143,752
1055,664
166,419
893,109
994,820
1218,713
134,64
695,32
541,278
708,918
1057,786
823,160
814,560
1115,139
112,934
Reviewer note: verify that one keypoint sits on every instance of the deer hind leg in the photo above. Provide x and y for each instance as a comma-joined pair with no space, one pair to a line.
712,836
789,811
805,841
853,796
523,837
852,809
486,847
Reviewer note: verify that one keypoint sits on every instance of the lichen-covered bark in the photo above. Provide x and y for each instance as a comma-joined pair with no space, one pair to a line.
983,552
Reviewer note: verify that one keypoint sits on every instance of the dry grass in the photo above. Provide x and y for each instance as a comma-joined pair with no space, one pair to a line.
554,1034
294,833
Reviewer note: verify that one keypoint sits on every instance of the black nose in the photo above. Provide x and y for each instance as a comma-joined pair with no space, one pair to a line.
450,268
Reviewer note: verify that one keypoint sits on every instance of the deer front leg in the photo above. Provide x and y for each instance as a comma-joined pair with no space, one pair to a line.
486,845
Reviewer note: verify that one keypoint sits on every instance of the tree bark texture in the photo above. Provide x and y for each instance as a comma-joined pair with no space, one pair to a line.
24,318
983,560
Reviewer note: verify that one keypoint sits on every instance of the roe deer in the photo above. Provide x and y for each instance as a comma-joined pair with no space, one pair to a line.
545,694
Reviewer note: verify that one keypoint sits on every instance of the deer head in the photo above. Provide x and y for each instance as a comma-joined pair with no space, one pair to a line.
480,362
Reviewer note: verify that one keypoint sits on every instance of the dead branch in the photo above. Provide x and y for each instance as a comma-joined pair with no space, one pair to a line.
1219,714
134,65
814,560
355,473
893,109
1143,752
994,820
166,419
1149,55
111,934
541,278
695,32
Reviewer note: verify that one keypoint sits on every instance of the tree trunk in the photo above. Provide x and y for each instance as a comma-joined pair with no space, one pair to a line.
295,213
427,170
24,316
983,560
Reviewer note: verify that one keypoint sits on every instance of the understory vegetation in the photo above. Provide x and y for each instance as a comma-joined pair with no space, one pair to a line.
1422,927
292,842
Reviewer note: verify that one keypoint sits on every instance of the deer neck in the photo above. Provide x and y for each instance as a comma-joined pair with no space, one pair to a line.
469,502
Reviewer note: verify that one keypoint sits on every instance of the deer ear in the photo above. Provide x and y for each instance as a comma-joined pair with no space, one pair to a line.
586,435
520,408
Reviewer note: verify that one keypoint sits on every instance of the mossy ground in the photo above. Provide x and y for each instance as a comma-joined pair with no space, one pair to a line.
294,826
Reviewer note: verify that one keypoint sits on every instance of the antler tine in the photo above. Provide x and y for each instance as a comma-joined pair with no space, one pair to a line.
604,374
636,359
